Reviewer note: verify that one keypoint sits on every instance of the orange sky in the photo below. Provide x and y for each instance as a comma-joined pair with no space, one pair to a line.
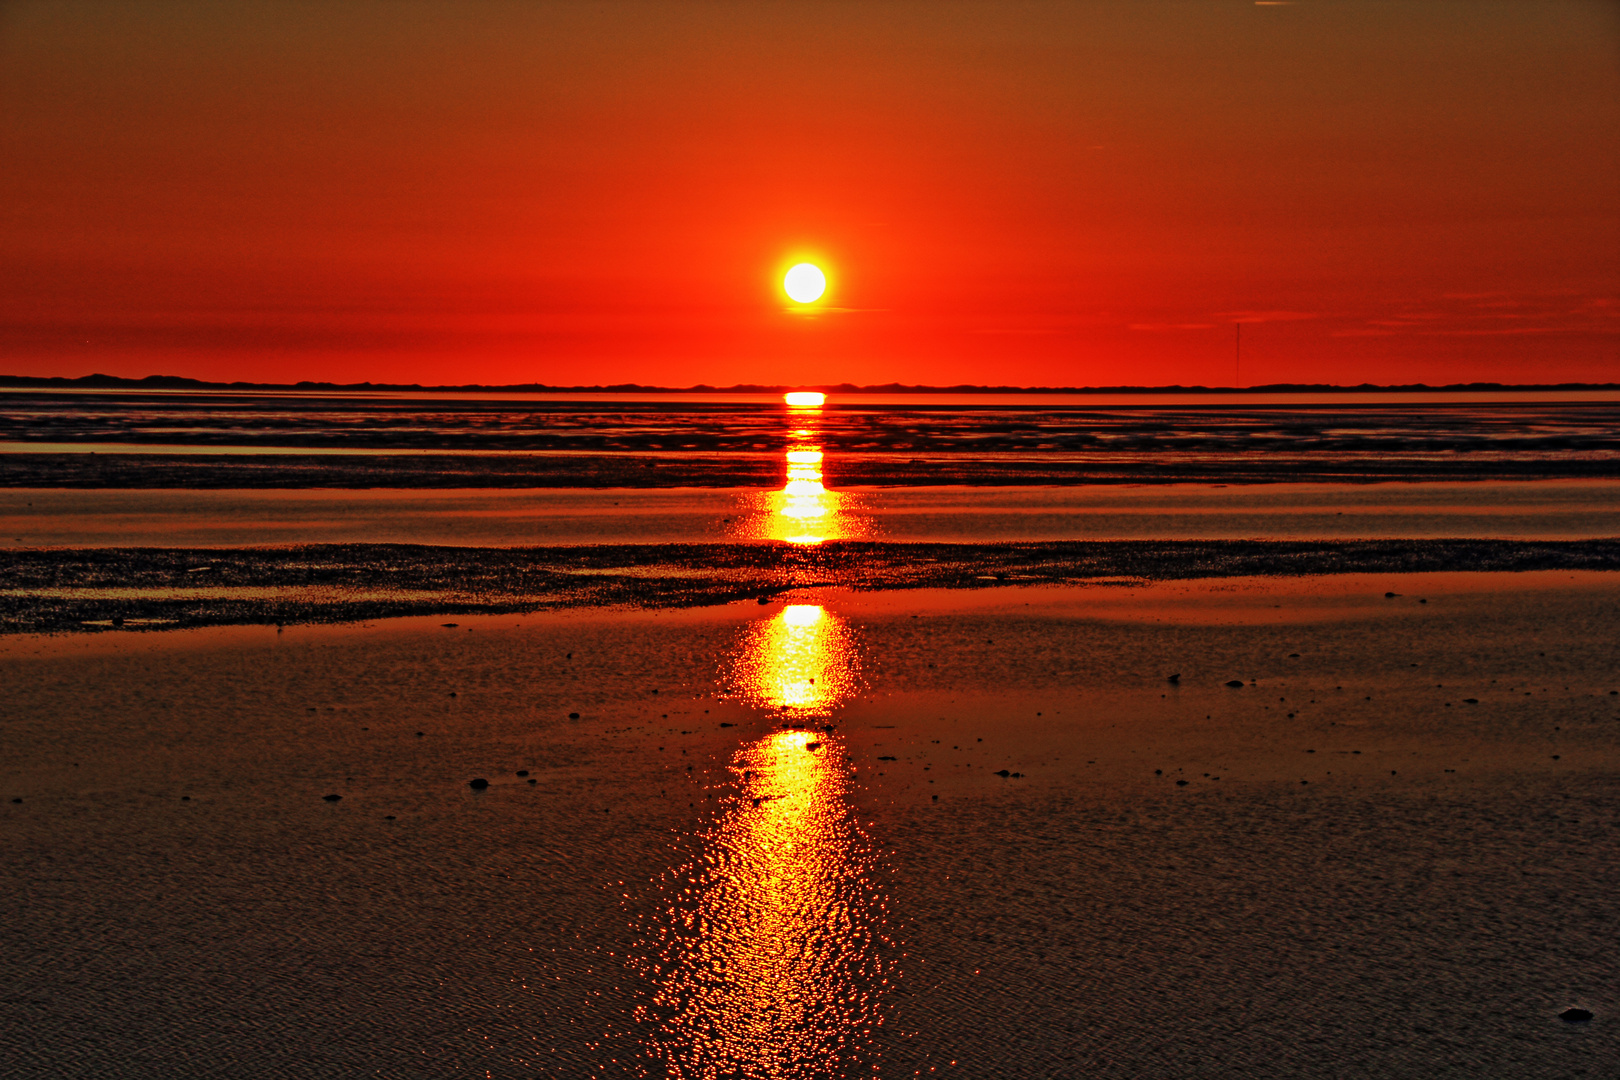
1003,193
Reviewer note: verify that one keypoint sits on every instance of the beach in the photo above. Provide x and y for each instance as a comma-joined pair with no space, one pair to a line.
797,776
1019,847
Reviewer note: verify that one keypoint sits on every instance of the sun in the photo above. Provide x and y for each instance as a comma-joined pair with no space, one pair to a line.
805,283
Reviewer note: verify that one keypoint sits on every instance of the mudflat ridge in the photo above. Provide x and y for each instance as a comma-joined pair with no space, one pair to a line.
78,590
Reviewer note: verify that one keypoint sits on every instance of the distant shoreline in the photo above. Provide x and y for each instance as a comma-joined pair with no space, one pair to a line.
177,382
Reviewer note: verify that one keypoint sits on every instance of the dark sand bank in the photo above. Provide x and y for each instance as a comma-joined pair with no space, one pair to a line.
55,590
1389,853
124,467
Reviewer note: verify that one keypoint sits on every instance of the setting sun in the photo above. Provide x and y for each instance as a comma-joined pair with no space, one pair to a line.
805,283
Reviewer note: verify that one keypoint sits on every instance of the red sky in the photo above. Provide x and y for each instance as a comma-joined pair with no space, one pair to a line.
1004,193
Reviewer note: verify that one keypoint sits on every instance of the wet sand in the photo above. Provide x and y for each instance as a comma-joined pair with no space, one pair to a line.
1392,853
472,517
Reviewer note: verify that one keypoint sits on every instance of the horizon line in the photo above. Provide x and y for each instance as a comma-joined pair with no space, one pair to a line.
180,382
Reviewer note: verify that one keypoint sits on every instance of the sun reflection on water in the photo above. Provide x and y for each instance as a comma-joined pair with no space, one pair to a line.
801,662
776,962
803,511
772,959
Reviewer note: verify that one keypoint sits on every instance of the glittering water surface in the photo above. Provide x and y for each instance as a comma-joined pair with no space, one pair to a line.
803,661
773,958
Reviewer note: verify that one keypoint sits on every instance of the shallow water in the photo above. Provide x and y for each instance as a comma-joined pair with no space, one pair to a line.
1365,872
1333,824
240,439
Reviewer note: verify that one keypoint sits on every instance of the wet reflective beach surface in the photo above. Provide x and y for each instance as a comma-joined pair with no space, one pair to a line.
846,835
1152,818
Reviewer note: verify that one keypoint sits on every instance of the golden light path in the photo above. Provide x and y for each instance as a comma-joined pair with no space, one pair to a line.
803,511
774,962
800,663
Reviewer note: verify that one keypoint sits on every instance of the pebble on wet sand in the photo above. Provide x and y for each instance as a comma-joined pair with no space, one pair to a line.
1575,1016
1236,684
331,798
478,783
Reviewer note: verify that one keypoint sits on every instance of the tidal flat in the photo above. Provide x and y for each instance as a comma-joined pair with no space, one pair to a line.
1191,828
410,736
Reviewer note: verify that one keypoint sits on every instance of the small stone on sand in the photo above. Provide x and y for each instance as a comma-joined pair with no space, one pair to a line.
478,783
1575,1016
332,798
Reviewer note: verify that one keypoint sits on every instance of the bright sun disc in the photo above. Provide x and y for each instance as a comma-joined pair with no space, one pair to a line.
805,283
805,399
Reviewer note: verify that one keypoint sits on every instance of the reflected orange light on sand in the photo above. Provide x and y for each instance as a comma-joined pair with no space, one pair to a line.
772,960
775,962
800,662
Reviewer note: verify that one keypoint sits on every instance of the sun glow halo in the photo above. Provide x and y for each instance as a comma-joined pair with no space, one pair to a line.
805,283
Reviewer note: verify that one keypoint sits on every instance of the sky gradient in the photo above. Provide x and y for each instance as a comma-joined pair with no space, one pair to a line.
1008,193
